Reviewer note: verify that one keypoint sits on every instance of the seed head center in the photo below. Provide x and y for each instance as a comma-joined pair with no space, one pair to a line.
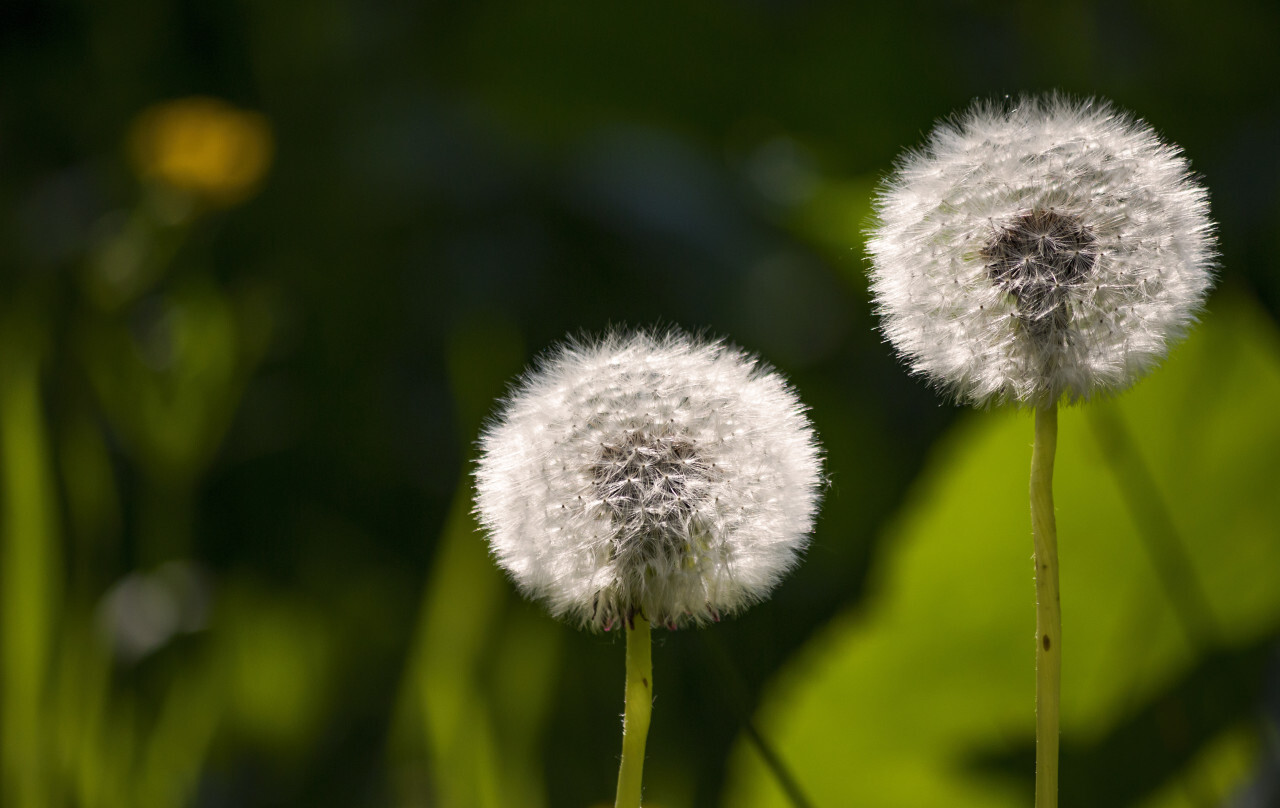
650,482
1040,257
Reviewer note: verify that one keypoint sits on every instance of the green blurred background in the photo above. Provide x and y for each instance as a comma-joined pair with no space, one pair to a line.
265,266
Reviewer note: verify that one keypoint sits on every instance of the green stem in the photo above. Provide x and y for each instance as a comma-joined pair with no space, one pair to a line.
1048,609
635,721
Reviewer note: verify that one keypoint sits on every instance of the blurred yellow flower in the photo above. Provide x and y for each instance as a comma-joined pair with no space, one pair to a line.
204,147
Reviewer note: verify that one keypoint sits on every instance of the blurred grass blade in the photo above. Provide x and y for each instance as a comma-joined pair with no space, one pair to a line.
173,754
441,696
80,715
29,585
477,689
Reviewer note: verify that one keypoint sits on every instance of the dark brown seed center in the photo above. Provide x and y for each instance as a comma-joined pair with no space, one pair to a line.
650,483
1039,258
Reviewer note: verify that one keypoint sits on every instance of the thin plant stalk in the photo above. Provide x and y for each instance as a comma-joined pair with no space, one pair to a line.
1048,608
635,720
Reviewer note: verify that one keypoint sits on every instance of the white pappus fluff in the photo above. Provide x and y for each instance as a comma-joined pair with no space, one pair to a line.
1040,250
648,474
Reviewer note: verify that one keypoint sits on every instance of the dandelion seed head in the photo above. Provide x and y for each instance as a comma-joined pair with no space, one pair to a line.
1038,251
650,474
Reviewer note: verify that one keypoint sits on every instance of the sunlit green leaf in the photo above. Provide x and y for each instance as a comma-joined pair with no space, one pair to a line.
924,694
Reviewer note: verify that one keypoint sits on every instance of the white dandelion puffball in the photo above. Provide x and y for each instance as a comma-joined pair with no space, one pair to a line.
651,475
1040,251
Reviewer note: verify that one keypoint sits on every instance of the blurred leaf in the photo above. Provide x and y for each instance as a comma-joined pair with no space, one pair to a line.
278,655
911,699
171,377
92,497
1225,762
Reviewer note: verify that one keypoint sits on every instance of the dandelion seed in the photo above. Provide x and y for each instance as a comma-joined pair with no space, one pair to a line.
1043,251
650,475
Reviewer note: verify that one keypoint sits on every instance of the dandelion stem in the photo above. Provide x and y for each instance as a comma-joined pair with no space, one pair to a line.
1048,609
635,720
